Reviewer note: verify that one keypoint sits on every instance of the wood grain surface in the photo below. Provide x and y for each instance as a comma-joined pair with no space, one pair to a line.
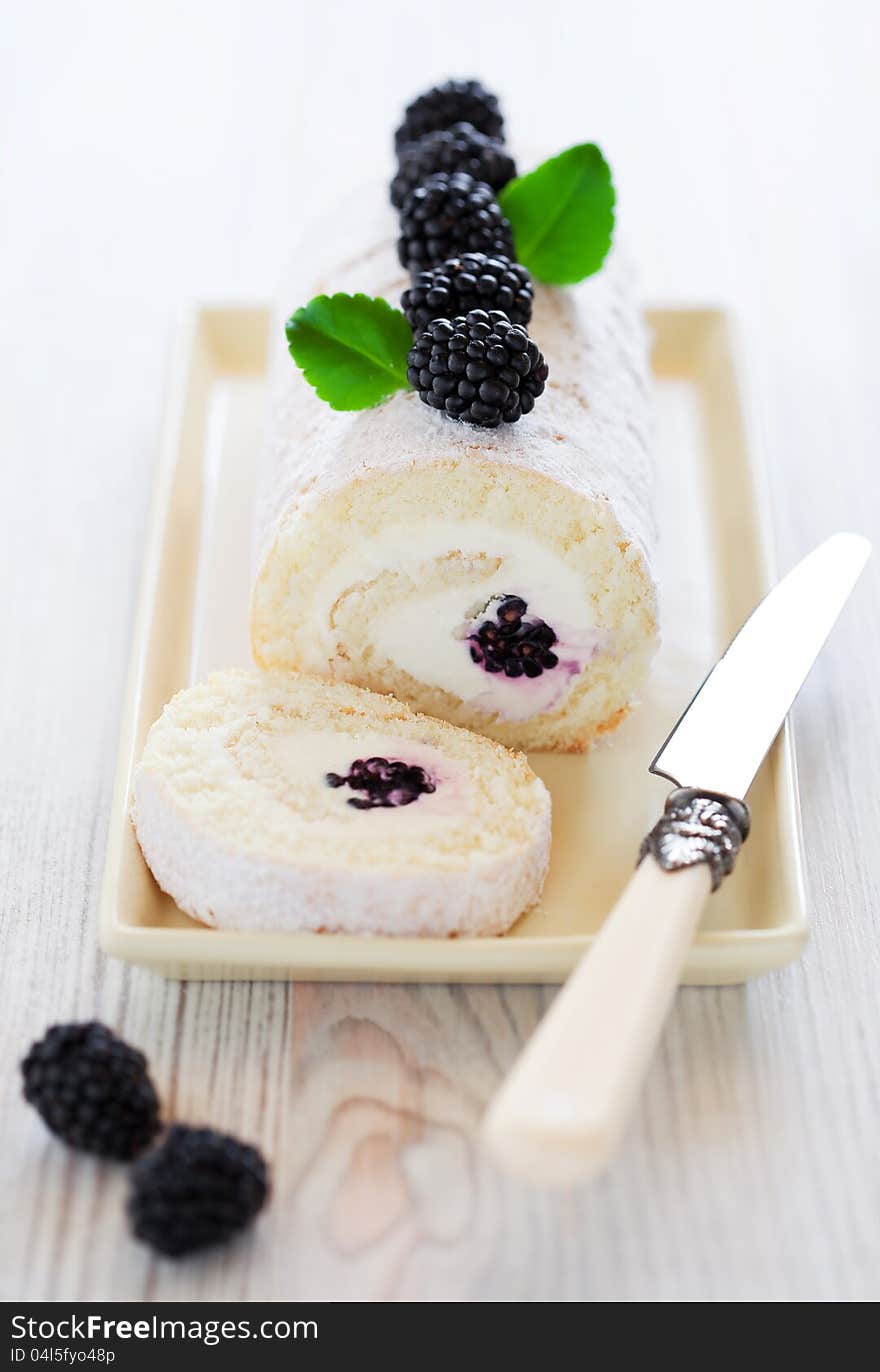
153,153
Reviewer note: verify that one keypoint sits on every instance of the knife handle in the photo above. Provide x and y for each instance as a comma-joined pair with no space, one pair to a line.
559,1116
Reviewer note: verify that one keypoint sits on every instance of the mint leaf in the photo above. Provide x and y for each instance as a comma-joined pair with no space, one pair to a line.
562,215
351,348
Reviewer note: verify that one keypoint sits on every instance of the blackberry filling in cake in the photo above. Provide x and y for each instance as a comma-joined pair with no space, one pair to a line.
385,784
513,642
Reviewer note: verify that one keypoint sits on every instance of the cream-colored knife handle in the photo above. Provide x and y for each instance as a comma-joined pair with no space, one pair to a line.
560,1114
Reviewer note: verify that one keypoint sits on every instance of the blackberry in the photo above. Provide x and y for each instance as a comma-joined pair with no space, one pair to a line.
196,1189
451,213
452,103
512,642
386,784
461,148
470,282
479,368
92,1090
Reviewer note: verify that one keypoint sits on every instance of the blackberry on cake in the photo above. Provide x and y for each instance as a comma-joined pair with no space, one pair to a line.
92,1090
274,800
453,102
461,148
472,281
197,1189
478,367
448,214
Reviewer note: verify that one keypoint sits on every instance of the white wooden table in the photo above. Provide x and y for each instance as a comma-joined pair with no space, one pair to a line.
156,152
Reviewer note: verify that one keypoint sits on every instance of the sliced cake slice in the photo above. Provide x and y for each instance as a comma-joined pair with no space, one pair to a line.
286,802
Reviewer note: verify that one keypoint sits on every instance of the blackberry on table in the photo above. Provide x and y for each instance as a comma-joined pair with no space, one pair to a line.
478,367
513,642
472,281
92,1090
197,1189
461,148
448,214
453,102
385,785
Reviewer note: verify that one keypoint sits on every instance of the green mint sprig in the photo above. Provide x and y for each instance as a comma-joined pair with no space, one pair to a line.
562,215
351,348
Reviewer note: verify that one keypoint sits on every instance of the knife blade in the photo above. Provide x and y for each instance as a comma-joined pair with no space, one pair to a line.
720,739
562,1111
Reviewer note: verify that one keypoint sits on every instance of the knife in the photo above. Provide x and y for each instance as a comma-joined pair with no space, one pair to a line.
560,1115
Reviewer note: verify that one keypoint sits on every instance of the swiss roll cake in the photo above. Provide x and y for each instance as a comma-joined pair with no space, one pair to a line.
278,801
498,579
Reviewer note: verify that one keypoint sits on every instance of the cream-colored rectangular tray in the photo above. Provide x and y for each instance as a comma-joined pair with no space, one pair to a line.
714,565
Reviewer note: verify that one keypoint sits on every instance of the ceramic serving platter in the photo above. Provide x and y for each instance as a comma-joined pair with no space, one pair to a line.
714,564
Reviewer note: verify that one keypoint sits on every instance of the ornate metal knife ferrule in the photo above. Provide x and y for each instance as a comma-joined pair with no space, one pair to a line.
698,827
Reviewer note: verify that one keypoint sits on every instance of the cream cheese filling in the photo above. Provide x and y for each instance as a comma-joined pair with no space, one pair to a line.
424,633
290,762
